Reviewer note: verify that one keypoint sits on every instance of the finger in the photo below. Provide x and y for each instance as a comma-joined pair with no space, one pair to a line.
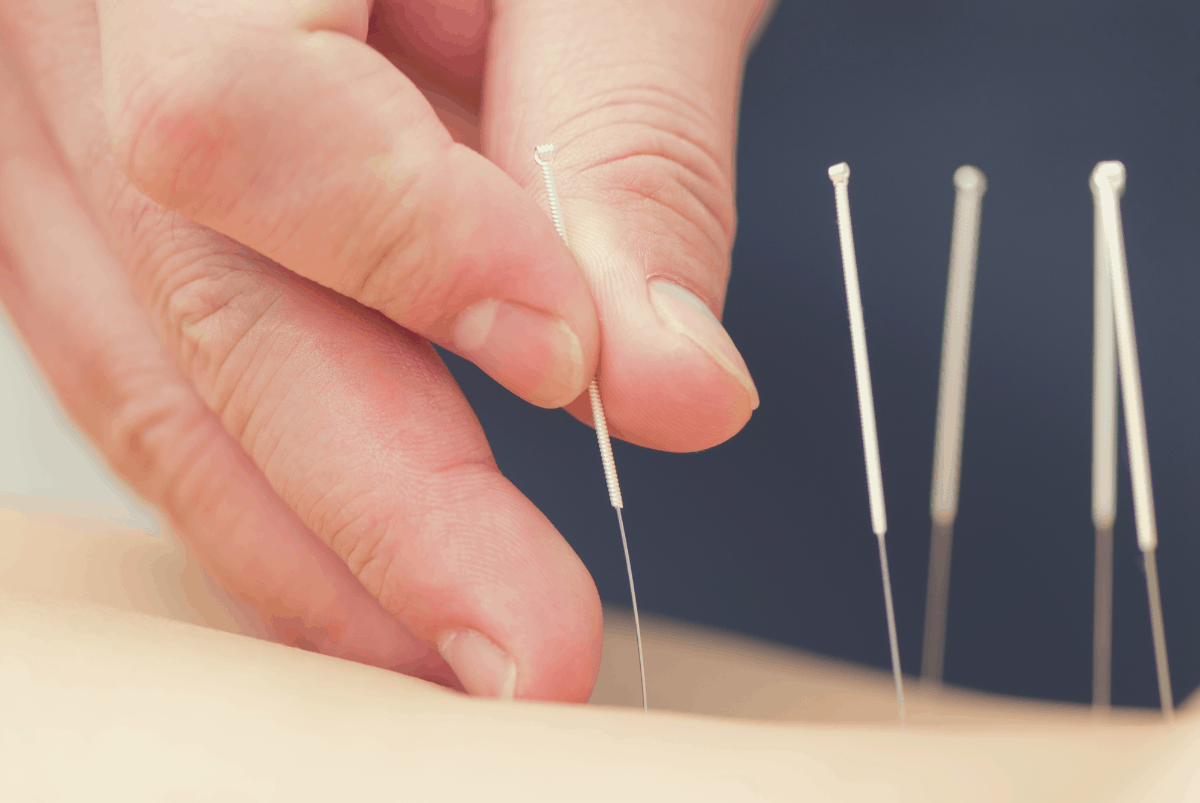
640,99
92,339
440,47
360,429
274,124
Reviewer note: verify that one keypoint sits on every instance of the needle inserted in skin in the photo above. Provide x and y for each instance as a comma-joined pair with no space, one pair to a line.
1104,463
544,156
970,186
1108,181
839,174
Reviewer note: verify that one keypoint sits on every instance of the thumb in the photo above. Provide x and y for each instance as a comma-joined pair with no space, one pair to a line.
640,98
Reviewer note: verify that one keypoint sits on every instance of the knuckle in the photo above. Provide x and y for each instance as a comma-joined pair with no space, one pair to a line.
169,134
148,434
393,263
357,536
651,147
208,312
210,299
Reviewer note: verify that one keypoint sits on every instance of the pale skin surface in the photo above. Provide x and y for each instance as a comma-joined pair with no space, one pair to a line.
111,693
228,229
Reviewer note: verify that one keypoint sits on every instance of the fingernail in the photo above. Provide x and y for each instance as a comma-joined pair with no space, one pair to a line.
484,669
682,312
535,354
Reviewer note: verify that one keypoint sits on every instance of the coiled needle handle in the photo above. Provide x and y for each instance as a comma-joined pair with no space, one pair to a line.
544,156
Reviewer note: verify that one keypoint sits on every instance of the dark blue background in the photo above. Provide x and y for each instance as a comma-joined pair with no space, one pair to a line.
769,534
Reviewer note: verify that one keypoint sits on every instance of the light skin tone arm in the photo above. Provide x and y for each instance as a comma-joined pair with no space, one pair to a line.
228,228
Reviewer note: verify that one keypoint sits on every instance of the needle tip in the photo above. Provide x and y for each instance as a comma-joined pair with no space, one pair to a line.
839,172
543,154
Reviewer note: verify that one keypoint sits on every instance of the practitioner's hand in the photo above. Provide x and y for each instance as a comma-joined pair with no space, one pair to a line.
242,328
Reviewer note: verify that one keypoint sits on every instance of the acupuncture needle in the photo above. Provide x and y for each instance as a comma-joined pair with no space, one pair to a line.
970,185
1104,461
1108,182
544,156
839,174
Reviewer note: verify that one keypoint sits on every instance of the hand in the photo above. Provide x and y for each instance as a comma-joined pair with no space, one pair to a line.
280,404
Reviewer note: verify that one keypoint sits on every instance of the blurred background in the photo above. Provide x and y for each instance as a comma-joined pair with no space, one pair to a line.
769,534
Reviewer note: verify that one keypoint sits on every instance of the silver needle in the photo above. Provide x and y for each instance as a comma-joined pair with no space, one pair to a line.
1104,462
839,174
544,156
1108,181
970,186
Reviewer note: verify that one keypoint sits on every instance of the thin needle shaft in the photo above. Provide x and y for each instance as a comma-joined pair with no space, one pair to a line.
1102,623
1160,636
839,174
637,624
544,156
937,601
970,186
893,638
1108,180
1104,463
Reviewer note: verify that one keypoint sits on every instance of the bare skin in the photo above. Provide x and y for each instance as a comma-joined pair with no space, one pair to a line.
228,229
113,691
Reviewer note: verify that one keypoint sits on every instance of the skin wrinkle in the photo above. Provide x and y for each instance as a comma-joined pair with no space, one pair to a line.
427,294
702,118
130,218
720,243
246,302
439,522
719,208
350,529
251,412
386,559
203,334
650,77
263,420
143,435
213,309
394,272
234,312
710,202
719,169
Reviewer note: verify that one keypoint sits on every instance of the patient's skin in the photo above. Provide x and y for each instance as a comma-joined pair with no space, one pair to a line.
229,228
102,702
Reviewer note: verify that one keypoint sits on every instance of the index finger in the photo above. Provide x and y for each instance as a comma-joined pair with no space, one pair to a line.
274,124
